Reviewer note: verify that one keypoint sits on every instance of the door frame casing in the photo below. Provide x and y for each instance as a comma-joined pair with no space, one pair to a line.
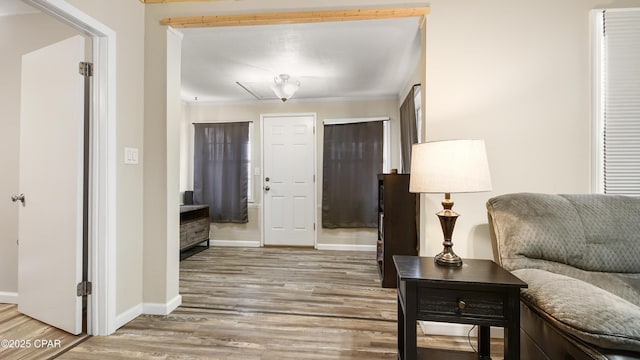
315,167
101,309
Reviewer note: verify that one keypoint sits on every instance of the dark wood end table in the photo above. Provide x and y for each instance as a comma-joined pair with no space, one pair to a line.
479,292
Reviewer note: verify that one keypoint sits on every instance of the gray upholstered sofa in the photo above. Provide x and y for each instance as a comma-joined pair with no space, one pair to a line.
580,256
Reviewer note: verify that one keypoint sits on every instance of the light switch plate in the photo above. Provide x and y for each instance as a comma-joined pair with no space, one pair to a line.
130,155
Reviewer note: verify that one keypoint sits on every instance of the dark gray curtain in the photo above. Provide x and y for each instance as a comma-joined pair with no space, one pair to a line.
408,131
221,170
352,160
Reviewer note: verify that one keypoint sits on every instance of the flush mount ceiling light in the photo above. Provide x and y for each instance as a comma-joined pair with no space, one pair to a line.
283,88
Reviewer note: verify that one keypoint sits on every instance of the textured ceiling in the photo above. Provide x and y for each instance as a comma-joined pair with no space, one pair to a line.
354,59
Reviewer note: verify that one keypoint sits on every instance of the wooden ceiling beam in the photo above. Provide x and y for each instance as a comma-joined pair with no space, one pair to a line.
174,1
292,17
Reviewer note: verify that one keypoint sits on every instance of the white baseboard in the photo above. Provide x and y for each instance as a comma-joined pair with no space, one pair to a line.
162,309
123,318
234,243
147,308
8,297
346,247
446,329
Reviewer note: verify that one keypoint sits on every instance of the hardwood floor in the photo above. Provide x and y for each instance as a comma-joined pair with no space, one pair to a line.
269,303
29,338
288,281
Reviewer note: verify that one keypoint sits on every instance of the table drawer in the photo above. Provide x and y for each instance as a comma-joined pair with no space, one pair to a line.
437,301
194,232
198,230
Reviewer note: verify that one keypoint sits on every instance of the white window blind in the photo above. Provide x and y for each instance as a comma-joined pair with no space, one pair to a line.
618,80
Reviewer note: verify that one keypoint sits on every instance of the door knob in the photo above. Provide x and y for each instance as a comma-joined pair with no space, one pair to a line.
16,198
266,188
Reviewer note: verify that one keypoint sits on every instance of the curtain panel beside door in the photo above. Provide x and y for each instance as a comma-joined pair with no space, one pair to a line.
352,160
221,158
408,129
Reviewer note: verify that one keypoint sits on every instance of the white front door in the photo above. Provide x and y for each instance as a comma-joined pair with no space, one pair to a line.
51,179
289,180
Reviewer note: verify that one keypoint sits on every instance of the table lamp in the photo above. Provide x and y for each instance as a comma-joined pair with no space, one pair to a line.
452,166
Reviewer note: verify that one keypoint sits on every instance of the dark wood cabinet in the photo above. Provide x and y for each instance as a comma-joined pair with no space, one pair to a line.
194,229
397,227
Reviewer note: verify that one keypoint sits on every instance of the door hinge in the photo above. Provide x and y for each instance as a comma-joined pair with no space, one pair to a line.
314,178
84,288
314,226
86,69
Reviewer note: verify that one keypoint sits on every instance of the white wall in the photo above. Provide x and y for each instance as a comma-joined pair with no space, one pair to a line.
186,150
517,74
203,112
19,35
163,114
174,112
126,18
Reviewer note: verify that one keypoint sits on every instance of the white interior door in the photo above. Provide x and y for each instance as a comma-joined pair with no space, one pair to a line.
51,179
288,183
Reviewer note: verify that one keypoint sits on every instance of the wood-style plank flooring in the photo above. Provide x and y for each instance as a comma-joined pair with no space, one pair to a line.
31,339
289,281
269,303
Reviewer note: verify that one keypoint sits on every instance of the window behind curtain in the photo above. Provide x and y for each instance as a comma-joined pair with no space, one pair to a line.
221,159
617,82
417,100
352,160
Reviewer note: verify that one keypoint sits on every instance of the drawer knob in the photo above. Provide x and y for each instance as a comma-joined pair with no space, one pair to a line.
461,304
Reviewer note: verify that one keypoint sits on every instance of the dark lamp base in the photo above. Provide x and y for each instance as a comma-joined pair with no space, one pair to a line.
448,259
447,220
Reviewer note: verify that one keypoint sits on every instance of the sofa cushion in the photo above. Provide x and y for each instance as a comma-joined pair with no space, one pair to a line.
537,226
611,232
583,310
591,232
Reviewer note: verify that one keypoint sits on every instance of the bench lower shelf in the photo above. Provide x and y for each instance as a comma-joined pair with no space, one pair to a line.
190,251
